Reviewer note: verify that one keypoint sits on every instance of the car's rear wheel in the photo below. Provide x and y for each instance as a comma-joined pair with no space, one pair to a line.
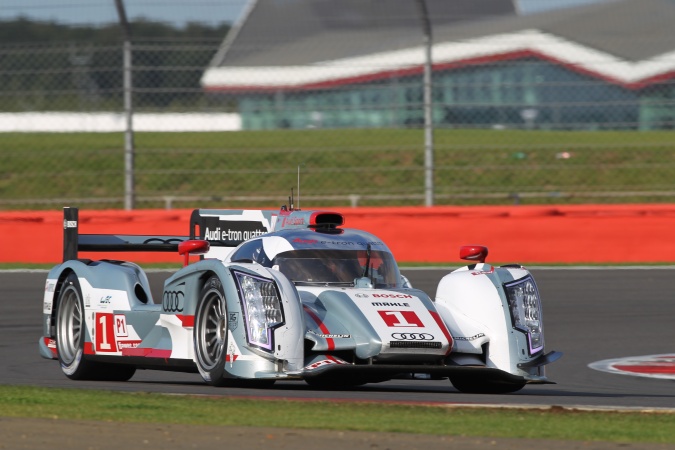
70,339
210,332
477,386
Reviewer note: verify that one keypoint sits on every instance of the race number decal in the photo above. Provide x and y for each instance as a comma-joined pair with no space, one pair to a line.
105,333
401,319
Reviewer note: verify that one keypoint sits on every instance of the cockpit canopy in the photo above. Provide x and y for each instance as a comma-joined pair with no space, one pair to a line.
341,267
340,260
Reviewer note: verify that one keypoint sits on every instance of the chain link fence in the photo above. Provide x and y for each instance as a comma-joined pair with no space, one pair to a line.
519,130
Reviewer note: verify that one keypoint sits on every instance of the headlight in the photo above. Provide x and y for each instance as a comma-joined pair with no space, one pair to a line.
262,309
525,309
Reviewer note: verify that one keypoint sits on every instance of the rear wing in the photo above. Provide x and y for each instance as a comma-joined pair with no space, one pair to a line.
223,229
74,242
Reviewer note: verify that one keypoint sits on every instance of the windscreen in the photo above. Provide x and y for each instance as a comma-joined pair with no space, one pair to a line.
338,267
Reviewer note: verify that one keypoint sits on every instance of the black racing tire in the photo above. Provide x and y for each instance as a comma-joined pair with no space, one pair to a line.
70,337
474,385
210,333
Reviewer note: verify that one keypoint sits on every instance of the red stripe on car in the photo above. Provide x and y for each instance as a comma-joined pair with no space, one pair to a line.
146,352
322,327
188,321
443,328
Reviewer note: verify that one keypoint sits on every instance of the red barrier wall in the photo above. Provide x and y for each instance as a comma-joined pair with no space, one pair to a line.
524,234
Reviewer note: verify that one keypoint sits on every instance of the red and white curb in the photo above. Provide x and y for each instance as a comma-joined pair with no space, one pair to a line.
651,366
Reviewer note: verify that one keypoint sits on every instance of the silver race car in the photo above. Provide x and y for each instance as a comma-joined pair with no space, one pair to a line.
289,295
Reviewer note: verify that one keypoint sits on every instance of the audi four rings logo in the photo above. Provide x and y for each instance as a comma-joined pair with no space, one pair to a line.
413,336
173,301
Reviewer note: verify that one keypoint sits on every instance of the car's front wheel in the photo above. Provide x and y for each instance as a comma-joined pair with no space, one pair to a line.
210,332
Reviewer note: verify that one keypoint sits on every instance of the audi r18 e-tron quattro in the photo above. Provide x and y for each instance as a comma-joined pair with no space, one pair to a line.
289,295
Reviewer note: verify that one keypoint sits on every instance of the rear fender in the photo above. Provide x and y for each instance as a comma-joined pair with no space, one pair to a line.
105,285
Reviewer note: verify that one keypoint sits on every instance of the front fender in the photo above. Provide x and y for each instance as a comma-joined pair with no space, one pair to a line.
252,362
473,303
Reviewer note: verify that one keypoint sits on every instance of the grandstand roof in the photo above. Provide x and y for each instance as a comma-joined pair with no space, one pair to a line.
305,44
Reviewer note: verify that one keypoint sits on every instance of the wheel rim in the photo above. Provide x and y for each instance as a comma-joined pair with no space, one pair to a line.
212,332
69,325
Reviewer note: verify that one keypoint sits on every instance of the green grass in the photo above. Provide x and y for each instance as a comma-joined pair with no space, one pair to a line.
553,423
385,167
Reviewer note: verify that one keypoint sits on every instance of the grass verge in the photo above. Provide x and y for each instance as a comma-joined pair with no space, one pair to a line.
554,423
378,167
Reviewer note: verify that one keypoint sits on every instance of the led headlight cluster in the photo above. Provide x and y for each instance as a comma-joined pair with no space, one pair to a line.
261,307
525,309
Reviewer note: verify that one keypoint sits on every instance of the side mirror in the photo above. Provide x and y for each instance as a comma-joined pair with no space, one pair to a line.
193,247
476,253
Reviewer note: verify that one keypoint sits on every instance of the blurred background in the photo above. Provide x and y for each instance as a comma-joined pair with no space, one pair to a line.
232,103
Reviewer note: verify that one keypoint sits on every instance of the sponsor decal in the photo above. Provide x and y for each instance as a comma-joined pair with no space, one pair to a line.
348,243
304,241
47,307
483,272
87,301
51,345
287,221
402,305
231,230
359,295
233,351
104,302
324,362
400,318
49,286
469,338
233,320
651,366
172,301
412,336
122,345
69,224
392,296
231,235
330,336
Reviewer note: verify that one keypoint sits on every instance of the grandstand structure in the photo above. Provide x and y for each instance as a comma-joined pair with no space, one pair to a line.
323,63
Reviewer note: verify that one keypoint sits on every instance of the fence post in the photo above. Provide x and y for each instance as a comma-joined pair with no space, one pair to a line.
428,113
129,195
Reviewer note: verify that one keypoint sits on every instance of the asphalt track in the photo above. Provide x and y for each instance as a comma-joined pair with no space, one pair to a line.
590,315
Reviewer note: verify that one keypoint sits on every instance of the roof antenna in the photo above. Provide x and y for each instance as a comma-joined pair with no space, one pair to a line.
298,186
290,200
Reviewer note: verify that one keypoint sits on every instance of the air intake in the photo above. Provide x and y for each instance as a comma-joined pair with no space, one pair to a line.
326,220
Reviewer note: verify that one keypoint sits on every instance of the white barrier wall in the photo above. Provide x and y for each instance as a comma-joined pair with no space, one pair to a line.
98,122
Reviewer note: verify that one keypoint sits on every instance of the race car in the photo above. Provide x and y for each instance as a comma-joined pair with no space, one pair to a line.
289,295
